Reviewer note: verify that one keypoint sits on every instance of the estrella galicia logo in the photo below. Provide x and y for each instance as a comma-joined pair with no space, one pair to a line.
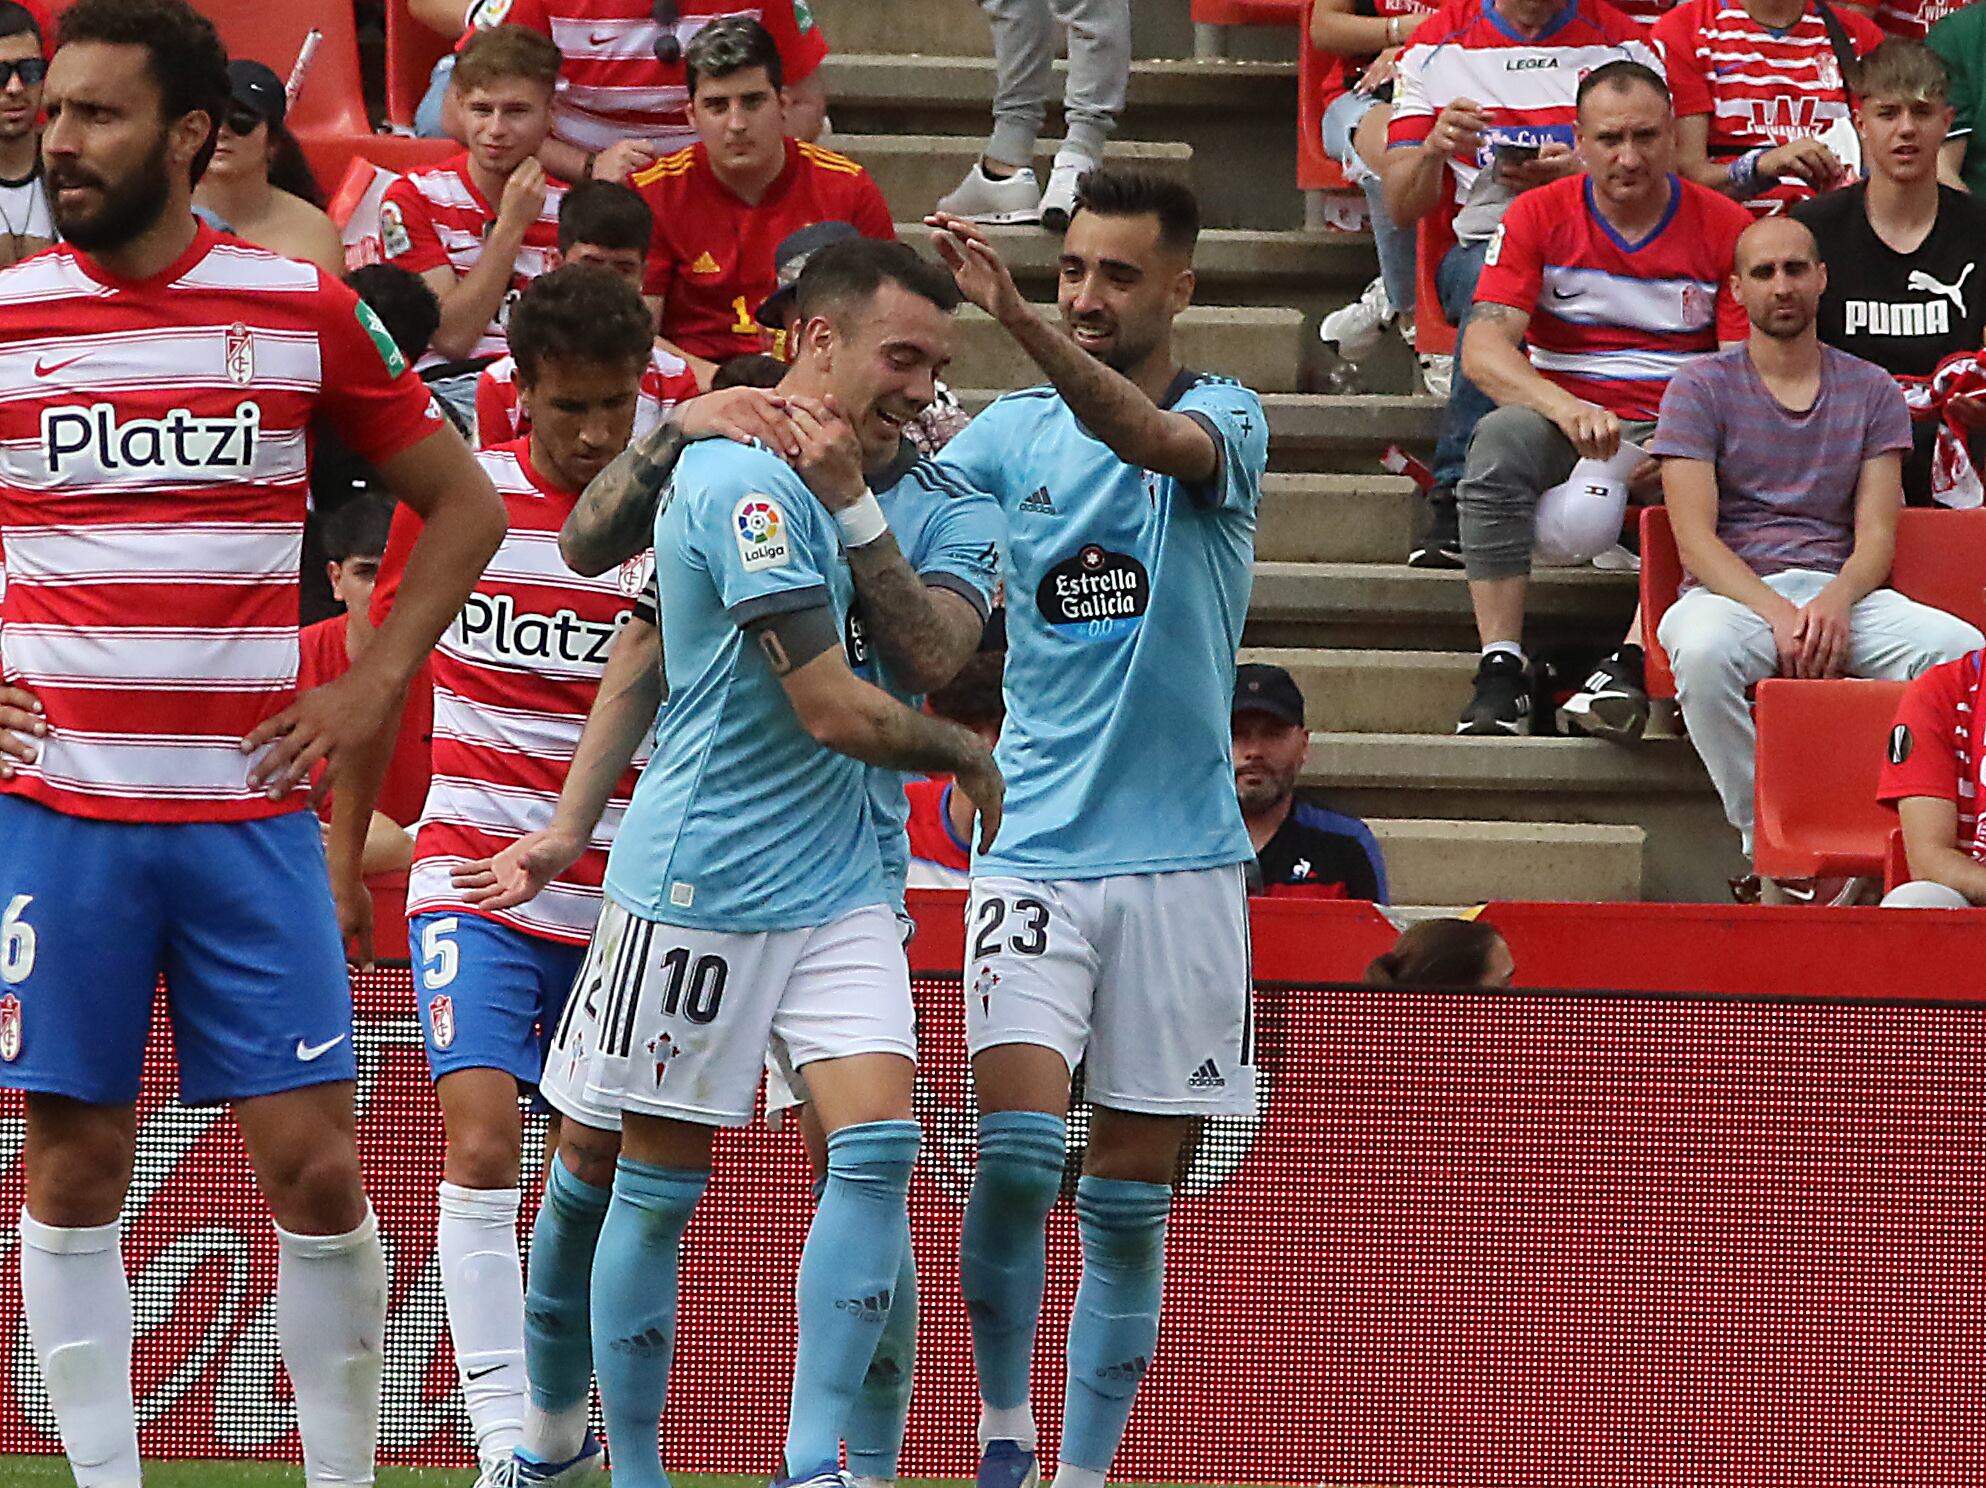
1095,594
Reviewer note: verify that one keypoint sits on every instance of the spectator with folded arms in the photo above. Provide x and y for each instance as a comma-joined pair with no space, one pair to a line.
1781,465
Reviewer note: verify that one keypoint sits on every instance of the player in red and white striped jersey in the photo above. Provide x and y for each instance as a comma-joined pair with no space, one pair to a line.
1937,757
158,384
440,221
1757,84
608,225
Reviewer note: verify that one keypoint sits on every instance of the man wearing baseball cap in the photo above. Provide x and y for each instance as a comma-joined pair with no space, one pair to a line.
1301,848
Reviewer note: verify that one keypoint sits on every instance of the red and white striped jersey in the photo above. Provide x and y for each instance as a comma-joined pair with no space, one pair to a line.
514,676
612,87
1527,87
435,218
1759,87
1613,321
1913,18
500,412
155,440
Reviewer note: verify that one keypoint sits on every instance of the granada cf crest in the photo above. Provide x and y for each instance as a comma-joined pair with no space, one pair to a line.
441,1018
241,355
10,1028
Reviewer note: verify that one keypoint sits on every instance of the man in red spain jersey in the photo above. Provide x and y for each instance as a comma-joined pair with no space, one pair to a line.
608,225
1936,751
480,227
723,206
158,384
1758,85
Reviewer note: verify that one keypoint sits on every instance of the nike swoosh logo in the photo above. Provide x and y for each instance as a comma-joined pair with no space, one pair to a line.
594,38
476,1374
43,369
1559,294
308,1052
1803,896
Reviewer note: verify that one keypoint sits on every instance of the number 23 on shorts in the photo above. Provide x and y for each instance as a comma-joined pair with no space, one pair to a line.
1024,922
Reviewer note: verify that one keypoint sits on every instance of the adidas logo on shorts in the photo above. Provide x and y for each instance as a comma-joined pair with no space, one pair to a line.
1207,1077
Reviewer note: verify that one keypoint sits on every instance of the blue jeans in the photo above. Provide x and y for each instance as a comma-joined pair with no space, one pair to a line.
427,117
1394,243
1467,403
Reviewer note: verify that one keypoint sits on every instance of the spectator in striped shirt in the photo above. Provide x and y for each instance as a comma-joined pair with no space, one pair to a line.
1614,279
1782,471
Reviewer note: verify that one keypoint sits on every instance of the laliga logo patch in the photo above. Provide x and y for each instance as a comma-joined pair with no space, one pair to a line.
240,355
761,531
10,1028
1095,594
441,1018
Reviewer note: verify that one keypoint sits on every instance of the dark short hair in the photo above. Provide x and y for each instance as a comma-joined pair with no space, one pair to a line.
1621,74
1143,193
606,214
18,20
500,52
753,369
1437,953
579,313
183,54
973,697
732,45
853,270
357,527
403,302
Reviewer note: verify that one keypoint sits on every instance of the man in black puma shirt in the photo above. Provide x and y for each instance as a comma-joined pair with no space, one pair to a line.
1906,257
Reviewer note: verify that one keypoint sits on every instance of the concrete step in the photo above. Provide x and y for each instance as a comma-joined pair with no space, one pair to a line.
958,27
1335,518
1376,691
914,170
1324,431
1228,112
1392,606
1467,862
1260,348
1658,787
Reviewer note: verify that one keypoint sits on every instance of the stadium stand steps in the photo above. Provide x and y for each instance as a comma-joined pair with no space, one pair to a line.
1160,29
917,169
1457,862
1260,347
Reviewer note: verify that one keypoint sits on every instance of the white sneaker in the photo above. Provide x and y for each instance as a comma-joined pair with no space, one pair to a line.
498,1472
1354,331
1437,373
1058,201
994,200
1617,559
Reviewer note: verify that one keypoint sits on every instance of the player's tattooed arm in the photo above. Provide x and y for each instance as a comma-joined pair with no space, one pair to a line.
615,517
1110,405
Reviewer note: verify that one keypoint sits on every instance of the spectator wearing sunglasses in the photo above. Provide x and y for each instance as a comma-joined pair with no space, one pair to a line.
25,224
624,105
258,185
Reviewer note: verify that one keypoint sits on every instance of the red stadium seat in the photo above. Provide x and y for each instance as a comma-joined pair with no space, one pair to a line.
1816,808
412,49
1937,563
1250,12
331,156
332,98
1315,171
1433,335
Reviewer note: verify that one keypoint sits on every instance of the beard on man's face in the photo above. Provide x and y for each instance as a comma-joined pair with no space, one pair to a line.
124,209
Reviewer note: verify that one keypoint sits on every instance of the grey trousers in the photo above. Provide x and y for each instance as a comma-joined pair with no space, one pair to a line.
1024,57
1516,456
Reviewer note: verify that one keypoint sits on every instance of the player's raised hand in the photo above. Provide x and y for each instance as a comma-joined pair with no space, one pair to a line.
520,871
326,723
21,724
830,459
981,274
986,788
740,414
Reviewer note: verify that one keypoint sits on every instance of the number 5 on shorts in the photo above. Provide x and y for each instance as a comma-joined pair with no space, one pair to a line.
1029,936
441,958
16,942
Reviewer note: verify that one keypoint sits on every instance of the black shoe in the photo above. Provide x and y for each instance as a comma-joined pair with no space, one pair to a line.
1612,703
1441,545
1502,701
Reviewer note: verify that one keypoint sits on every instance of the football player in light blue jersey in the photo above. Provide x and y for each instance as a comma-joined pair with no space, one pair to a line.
1109,923
743,819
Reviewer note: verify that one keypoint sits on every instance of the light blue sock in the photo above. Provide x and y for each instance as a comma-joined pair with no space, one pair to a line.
634,1310
882,1407
1113,1331
1003,1257
848,1272
558,1311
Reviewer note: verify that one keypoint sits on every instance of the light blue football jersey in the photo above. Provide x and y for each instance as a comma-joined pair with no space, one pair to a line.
950,536
1126,592
740,821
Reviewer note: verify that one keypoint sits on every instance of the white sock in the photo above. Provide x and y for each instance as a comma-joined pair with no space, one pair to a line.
1508,648
482,1281
78,1302
1067,1476
331,1326
554,1436
867,1482
1014,1424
